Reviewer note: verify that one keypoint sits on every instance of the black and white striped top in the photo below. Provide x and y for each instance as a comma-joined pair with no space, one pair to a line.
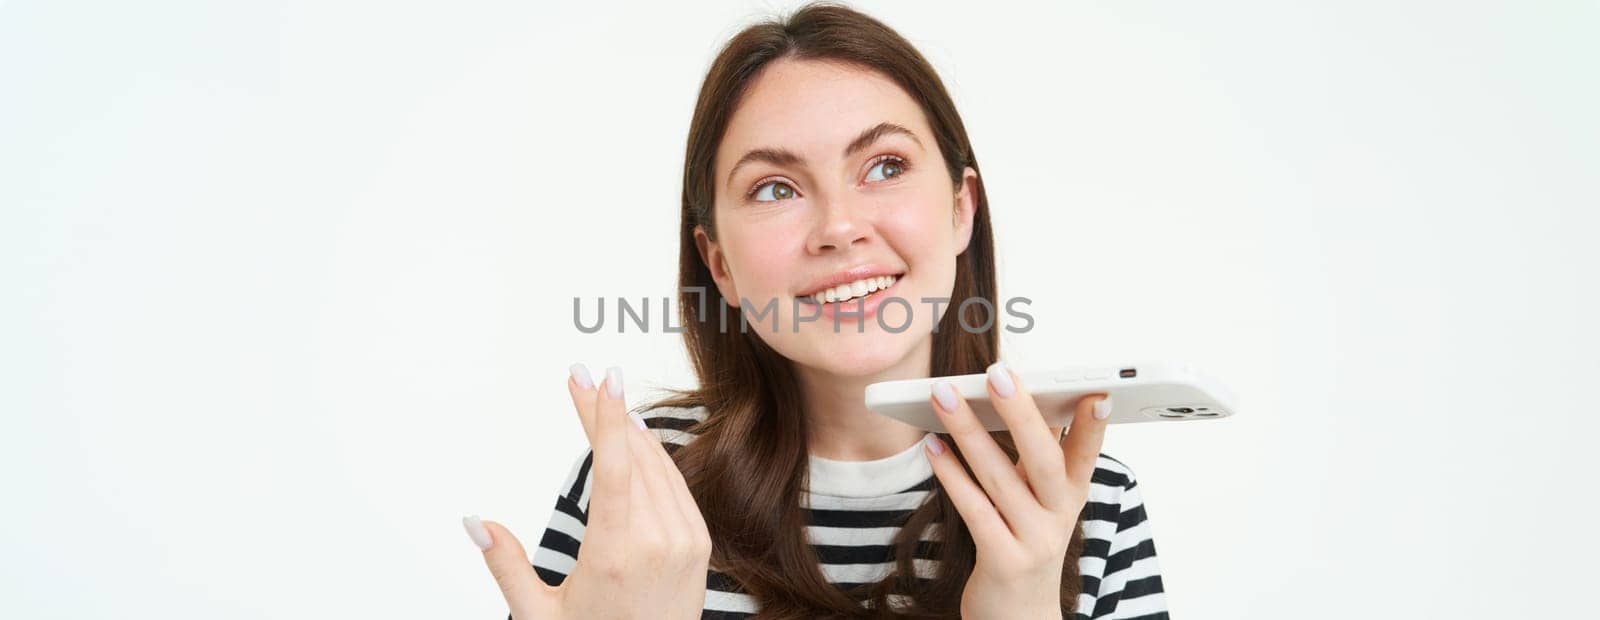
856,508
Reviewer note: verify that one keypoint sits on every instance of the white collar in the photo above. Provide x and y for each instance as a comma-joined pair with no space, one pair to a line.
875,478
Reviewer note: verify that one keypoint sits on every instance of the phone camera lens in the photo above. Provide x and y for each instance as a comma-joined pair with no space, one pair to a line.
1180,410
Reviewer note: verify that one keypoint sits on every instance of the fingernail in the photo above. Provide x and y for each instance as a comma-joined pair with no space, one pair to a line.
1102,408
638,420
614,382
580,374
1001,380
935,447
946,395
477,532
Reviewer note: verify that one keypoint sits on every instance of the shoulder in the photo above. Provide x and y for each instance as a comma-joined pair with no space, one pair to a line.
1113,491
1120,572
673,425
1111,472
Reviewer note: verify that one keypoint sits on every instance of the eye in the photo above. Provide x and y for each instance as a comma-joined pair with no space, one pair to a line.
773,191
887,168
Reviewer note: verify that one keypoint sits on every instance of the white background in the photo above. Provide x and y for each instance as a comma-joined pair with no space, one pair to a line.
287,286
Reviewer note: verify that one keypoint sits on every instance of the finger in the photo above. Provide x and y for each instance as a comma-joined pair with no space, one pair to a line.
612,470
679,508
644,519
581,387
666,515
694,530
682,498
644,524
1038,451
507,561
693,520
993,468
987,527
1085,437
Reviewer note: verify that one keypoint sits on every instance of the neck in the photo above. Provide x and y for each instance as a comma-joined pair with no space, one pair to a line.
840,425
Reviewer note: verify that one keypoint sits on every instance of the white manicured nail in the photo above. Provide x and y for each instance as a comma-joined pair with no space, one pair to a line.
934,445
614,381
638,420
1102,408
946,395
477,532
1001,380
580,374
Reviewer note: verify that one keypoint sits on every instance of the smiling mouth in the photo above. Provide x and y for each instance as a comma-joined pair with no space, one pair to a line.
852,290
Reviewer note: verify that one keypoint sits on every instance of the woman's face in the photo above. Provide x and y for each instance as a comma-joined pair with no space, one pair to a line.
829,181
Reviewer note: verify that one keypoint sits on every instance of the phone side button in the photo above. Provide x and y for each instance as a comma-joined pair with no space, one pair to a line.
1097,375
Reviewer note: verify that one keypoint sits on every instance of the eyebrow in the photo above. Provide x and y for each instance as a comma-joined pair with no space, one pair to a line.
784,157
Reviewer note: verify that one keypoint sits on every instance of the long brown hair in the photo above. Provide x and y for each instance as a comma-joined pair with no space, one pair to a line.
748,464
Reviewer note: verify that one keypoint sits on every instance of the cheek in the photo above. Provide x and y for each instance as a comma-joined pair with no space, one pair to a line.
762,259
923,234
919,229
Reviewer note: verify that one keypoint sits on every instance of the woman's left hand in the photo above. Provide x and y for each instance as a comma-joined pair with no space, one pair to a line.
1023,516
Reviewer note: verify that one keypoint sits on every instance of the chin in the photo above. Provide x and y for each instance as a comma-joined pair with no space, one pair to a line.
859,355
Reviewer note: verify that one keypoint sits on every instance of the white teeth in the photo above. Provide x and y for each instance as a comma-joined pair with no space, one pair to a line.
859,288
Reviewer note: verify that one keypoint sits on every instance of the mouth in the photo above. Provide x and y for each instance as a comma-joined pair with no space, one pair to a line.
850,291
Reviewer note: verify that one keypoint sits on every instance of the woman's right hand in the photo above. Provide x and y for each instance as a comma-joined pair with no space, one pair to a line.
645,549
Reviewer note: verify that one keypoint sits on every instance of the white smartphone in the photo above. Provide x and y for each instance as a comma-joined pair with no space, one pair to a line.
1141,392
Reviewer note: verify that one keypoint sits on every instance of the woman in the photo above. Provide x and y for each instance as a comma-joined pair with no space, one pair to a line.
827,172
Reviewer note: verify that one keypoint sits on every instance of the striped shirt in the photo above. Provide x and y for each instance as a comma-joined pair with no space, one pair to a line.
856,509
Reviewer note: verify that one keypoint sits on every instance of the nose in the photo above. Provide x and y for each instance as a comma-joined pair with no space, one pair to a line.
838,226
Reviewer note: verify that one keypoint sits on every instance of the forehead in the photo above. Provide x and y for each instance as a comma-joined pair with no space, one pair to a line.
815,108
